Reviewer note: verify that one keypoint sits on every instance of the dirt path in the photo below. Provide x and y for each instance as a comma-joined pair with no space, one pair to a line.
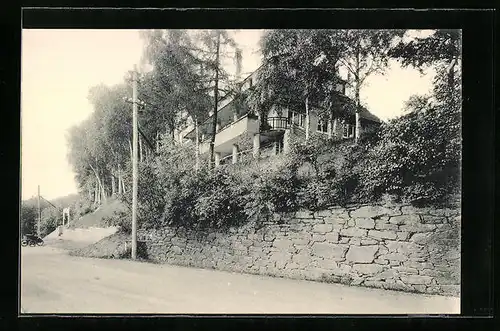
53,282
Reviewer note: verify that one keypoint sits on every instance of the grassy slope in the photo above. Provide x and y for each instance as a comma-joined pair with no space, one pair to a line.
97,218
113,246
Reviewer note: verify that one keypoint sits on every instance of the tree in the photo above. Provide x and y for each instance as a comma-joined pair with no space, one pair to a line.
212,46
176,87
441,47
363,53
308,58
28,218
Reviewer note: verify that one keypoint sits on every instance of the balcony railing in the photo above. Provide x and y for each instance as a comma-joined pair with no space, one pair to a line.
276,124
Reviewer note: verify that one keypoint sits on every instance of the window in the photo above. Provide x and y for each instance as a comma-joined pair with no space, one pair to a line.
322,126
296,118
340,88
348,130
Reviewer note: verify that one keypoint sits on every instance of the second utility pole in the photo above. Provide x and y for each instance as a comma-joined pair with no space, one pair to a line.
135,139
39,213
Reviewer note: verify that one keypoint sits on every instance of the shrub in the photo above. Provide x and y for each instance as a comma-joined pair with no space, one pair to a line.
273,191
417,158
219,202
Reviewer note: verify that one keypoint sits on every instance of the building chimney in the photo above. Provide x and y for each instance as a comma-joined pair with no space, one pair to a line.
237,61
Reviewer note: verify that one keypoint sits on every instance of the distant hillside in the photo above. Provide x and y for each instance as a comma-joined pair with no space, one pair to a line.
61,202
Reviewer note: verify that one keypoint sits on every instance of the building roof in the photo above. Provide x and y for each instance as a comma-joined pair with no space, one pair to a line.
227,106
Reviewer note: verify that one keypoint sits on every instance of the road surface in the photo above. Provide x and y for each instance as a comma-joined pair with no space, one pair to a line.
54,282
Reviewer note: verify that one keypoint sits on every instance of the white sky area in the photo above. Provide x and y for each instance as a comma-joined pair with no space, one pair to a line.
59,66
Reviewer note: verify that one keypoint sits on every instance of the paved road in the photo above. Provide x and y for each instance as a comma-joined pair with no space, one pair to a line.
53,282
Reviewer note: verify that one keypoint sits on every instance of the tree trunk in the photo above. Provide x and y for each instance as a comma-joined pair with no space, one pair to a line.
216,95
96,194
157,141
307,118
119,188
141,153
331,129
197,132
357,131
451,78
130,148
101,192
113,191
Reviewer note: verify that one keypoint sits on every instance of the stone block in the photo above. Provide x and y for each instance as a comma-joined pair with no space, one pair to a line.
367,269
292,265
351,223
323,213
269,236
416,280
381,261
431,273
403,247
301,241
386,226
342,269
353,232
322,228
418,227
374,212
176,250
406,270
304,214
365,223
318,237
280,256
396,286
326,264
393,257
420,288
281,264
418,265
338,210
385,274
430,219
246,242
344,240
283,244
444,212
355,241
374,283
402,235
405,219
362,254
366,242
332,237
329,251
335,221
382,234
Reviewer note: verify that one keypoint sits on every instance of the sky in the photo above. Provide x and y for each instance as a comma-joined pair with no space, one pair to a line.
59,66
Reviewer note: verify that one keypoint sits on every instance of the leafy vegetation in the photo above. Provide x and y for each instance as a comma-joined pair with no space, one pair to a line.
413,158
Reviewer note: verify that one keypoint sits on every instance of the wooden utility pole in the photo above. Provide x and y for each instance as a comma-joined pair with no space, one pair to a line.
39,213
216,95
135,139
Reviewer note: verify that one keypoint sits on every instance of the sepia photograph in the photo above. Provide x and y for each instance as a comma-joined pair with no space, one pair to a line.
241,171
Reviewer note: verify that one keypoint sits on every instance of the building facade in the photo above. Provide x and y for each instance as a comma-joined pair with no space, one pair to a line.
240,133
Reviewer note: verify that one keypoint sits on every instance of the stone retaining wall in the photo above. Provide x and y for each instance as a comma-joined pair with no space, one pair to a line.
395,247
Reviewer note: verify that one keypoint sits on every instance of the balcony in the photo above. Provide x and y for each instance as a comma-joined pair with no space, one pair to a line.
227,135
275,125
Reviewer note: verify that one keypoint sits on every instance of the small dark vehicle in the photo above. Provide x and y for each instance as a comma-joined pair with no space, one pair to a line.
31,240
